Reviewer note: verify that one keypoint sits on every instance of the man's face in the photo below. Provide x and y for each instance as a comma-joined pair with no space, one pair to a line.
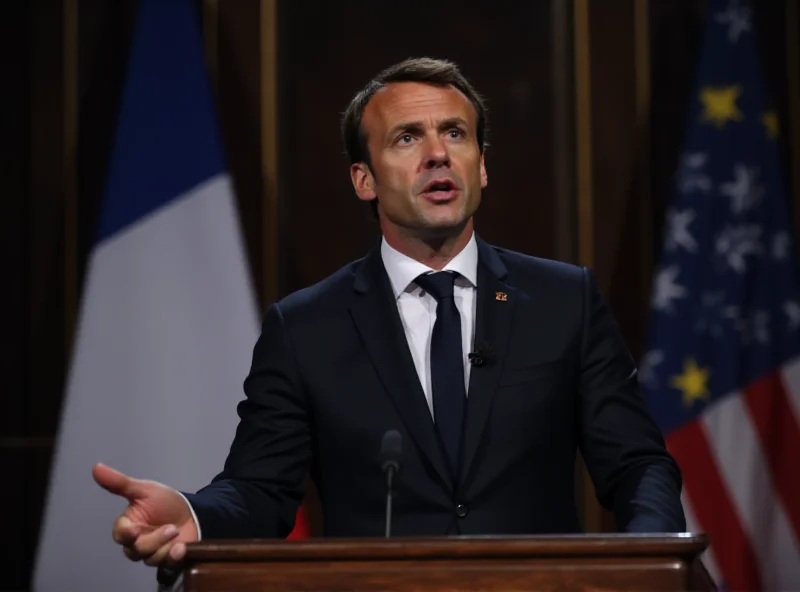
427,169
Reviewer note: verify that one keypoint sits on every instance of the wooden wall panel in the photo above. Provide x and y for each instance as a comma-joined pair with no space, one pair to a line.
14,125
610,143
563,85
46,274
238,89
46,316
105,32
34,179
328,51
618,147
15,448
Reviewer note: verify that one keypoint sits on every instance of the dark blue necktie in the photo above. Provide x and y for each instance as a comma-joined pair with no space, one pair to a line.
447,364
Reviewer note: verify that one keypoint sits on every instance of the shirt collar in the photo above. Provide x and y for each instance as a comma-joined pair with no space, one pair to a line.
403,270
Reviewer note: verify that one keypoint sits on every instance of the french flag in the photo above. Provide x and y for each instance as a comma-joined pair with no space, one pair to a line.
168,314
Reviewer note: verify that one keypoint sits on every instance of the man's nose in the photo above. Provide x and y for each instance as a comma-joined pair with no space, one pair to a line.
436,154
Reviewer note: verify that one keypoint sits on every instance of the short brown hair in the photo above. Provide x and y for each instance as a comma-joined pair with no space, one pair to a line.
426,70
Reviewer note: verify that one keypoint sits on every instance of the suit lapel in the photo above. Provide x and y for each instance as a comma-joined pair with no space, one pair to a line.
377,319
493,321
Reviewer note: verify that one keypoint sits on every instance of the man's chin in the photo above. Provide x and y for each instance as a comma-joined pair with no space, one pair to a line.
438,223
443,227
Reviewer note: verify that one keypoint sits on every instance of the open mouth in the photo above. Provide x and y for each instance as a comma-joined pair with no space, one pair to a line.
440,186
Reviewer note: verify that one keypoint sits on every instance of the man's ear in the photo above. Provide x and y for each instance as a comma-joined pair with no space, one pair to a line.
363,181
484,176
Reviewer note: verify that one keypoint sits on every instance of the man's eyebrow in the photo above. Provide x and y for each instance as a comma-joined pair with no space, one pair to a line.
417,126
452,122
405,126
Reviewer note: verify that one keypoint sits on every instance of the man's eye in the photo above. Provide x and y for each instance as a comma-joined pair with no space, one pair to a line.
406,138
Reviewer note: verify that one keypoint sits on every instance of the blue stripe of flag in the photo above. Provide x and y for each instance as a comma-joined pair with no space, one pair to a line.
167,140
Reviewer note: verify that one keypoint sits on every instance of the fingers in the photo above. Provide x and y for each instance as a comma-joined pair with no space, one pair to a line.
168,555
151,547
125,532
115,482
177,553
131,554
160,556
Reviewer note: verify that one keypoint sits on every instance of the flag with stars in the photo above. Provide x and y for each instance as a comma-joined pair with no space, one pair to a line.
722,370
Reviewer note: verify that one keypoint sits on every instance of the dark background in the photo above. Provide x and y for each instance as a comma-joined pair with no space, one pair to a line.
587,102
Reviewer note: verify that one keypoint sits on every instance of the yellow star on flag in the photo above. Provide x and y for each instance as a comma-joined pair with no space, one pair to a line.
770,121
719,104
693,383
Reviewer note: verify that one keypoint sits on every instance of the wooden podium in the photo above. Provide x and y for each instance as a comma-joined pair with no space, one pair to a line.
580,562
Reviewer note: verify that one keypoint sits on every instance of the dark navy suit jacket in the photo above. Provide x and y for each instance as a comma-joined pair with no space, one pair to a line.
331,372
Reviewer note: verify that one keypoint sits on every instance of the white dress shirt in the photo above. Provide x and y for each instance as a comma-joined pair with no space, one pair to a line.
418,308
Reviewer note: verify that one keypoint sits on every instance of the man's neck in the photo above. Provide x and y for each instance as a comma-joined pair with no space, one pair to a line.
433,252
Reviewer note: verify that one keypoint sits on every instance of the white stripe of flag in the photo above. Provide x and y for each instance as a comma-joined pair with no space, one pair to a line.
737,450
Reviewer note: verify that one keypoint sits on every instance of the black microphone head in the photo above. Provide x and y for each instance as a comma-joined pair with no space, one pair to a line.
391,449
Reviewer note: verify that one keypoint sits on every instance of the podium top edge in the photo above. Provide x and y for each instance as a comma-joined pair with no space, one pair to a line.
684,545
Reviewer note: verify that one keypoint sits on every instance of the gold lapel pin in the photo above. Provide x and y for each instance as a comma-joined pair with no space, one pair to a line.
501,296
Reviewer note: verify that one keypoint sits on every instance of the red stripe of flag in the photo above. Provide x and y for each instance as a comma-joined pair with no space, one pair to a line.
302,528
774,419
714,508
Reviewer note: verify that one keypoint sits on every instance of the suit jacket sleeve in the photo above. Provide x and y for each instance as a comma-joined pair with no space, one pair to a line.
261,486
623,447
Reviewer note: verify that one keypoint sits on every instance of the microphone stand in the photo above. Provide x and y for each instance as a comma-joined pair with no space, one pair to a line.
389,475
391,450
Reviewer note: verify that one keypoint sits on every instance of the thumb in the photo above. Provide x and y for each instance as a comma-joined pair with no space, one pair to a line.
117,483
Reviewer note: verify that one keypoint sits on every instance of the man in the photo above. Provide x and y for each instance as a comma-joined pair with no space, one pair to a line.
495,367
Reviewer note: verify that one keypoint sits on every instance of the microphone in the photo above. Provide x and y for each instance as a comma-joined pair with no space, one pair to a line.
482,356
391,449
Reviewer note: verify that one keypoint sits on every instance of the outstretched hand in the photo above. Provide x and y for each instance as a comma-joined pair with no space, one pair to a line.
157,523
